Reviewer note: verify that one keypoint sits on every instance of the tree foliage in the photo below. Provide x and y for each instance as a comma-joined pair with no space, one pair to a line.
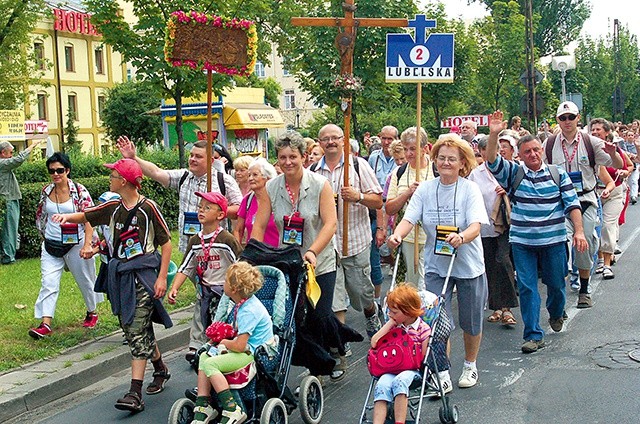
71,142
125,112
17,63
557,22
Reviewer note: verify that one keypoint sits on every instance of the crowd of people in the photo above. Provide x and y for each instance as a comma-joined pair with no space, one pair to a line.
516,207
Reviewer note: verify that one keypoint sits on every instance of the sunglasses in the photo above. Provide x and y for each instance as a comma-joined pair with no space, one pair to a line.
570,117
58,171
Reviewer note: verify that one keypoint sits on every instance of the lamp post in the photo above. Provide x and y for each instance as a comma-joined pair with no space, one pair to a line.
562,64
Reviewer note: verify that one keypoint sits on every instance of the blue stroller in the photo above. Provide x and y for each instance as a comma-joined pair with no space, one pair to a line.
267,398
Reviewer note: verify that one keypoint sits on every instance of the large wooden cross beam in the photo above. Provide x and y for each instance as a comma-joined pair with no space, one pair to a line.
345,41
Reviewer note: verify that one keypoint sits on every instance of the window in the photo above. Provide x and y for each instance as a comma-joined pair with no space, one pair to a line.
38,49
289,99
42,106
259,70
73,106
68,58
285,72
101,100
99,61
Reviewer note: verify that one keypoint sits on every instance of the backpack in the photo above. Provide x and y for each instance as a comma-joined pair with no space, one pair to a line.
553,170
403,168
588,144
223,188
396,351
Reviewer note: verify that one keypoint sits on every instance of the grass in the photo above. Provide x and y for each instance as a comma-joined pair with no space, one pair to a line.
19,286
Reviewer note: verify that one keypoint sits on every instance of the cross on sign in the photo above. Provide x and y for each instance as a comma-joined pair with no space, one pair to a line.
345,42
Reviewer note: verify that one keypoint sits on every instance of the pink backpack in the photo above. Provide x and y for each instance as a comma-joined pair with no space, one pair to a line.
396,352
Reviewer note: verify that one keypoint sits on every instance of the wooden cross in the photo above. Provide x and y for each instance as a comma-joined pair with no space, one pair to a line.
345,41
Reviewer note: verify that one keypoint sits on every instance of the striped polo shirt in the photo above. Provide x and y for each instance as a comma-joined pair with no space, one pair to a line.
539,207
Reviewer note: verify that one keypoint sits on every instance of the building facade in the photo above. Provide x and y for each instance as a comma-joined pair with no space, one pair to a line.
78,69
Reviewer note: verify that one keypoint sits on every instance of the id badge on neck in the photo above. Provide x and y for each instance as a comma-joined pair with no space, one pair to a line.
191,224
69,233
441,246
131,245
576,179
293,229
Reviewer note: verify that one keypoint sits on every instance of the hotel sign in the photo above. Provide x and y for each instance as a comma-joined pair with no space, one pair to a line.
75,22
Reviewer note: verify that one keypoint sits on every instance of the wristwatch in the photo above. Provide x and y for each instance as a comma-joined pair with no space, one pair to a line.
361,198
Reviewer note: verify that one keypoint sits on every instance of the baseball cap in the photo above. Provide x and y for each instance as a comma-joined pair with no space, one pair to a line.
567,107
107,196
128,169
215,198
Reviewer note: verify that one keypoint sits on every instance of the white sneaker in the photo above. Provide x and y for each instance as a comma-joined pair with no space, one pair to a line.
445,380
234,417
208,414
469,377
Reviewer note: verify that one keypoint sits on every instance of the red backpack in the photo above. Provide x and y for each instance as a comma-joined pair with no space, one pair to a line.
396,351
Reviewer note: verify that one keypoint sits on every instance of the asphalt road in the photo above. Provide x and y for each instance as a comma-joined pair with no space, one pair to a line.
584,375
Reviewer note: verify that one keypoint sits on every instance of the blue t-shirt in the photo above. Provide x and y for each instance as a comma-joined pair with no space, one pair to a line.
253,319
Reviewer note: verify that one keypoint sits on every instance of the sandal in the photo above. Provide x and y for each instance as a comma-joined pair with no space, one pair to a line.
496,316
130,402
508,318
159,379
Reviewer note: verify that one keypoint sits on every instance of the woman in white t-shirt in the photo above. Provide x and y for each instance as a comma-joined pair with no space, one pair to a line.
451,207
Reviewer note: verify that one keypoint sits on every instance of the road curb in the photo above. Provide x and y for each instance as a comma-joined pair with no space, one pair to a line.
37,384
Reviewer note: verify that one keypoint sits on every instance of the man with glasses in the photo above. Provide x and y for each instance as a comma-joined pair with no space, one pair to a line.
579,154
353,276
10,190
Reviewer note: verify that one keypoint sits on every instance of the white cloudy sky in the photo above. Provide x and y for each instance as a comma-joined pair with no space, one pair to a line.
600,23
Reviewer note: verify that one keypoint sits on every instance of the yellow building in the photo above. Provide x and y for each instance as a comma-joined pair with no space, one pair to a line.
81,69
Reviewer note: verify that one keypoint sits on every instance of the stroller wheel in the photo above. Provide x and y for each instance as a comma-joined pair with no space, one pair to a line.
448,413
181,412
274,412
311,400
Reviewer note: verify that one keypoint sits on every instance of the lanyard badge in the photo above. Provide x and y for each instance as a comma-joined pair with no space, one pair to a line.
293,229
191,224
130,241
69,233
441,246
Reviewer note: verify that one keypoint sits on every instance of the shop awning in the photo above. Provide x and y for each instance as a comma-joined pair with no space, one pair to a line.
255,116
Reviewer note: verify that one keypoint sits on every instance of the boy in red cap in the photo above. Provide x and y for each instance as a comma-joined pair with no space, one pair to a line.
134,285
209,253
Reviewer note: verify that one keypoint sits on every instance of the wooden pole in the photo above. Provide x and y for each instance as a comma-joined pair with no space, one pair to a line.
209,129
416,246
345,166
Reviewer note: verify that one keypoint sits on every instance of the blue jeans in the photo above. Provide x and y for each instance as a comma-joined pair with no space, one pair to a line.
374,257
552,261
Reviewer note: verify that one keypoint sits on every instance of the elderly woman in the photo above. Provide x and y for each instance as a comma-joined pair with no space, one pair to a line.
241,168
508,141
67,245
451,200
303,206
259,173
402,186
495,242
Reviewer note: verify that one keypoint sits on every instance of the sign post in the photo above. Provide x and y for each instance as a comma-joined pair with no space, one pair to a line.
423,59
345,42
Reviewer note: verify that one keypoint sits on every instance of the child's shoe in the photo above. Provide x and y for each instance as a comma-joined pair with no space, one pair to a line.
42,331
237,416
204,414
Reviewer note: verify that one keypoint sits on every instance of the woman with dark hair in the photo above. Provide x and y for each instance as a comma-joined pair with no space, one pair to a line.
221,154
66,245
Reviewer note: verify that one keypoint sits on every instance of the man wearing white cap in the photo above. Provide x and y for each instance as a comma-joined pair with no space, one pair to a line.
579,154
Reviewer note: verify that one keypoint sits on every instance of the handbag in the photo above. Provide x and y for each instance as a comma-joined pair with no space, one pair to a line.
396,351
57,248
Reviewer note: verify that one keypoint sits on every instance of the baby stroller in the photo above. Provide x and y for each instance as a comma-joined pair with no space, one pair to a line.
435,360
267,398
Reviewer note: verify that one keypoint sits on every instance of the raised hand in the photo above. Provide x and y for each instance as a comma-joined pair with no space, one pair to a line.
497,122
126,147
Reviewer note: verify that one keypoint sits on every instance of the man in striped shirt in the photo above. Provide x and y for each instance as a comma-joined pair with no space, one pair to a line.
353,279
538,233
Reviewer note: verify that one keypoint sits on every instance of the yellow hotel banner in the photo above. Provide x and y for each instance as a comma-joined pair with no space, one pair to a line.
11,125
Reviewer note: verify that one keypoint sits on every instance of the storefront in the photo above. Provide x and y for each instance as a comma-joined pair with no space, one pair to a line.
240,121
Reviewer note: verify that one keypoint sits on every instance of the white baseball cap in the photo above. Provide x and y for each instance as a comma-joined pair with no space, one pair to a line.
567,107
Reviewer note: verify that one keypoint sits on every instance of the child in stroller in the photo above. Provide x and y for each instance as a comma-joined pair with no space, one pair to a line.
254,328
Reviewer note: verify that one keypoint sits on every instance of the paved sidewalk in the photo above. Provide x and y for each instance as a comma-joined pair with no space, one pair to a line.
34,385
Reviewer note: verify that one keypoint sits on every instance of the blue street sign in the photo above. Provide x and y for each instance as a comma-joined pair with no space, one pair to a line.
425,59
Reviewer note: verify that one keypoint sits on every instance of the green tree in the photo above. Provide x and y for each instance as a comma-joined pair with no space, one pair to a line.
501,57
71,142
125,112
142,44
557,22
17,63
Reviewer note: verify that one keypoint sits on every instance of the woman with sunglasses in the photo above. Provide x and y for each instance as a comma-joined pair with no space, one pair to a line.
67,245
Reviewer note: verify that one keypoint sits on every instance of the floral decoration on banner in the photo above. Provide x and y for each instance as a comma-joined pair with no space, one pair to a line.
347,84
198,18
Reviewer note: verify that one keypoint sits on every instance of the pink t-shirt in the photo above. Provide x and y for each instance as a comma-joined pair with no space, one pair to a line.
271,236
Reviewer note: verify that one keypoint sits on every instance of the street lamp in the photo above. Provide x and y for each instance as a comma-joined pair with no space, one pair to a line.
562,63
